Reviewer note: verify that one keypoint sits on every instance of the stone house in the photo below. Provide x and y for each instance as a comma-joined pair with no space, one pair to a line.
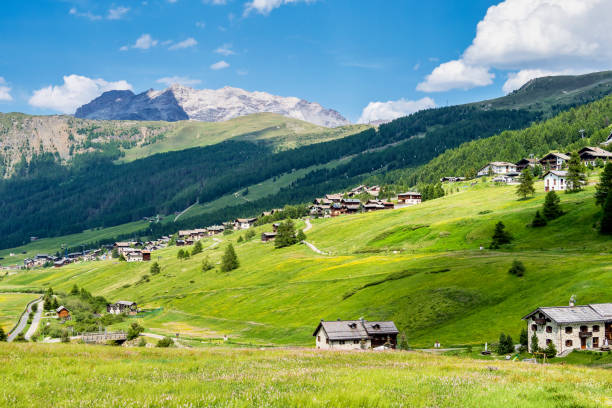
355,334
571,327
122,306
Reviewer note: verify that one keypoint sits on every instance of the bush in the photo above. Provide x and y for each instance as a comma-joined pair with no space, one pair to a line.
240,239
35,308
2,334
500,236
249,234
403,344
20,338
534,343
517,268
65,336
142,342
165,342
207,265
538,220
550,350
301,236
134,331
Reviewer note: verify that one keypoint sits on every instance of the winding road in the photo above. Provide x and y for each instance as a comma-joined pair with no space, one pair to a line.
23,321
308,244
35,320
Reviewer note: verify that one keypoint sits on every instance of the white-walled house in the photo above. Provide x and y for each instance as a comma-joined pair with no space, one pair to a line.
555,180
571,327
497,168
354,334
244,223
409,198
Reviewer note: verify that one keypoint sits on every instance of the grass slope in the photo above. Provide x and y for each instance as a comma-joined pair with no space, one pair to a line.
111,377
283,132
12,306
419,266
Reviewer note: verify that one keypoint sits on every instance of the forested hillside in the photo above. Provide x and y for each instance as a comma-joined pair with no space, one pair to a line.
559,133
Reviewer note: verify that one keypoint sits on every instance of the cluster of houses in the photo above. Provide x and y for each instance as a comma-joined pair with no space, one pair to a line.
554,163
333,205
58,261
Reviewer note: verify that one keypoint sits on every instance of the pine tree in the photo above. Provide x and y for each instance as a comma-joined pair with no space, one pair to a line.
550,350
500,236
403,345
155,269
501,347
240,239
552,209
438,191
538,220
525,187
75,290
523,338
55,304
534,343
606,220
604,186
180,254
285,235
230,259
575,173
197,248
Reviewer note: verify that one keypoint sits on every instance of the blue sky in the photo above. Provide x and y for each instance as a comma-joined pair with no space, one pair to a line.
345,54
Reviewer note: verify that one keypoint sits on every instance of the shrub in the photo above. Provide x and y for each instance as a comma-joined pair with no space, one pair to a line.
65,336
517,268
249,234
534,343
142,342
550,350
240,239
538,220
20,338
500,236
134,331
165,342
2,334
301,236
35,307
207,265
230,259
403,344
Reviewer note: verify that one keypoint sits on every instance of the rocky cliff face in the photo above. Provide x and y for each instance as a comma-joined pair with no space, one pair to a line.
180,103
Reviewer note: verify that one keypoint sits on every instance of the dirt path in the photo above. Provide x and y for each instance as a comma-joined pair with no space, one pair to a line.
314,248
308,225
184,211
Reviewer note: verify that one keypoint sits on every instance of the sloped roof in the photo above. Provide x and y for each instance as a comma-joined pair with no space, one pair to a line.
560,173
126,302
409,193
59,309
576,314
501,163
557,154
596,151
355,329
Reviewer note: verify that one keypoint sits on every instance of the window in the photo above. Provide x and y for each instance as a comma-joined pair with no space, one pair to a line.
534,327
568,330
318,338
326,341
595,342
584,328
355,341
341,341
548,341
568,343
595,329
548,329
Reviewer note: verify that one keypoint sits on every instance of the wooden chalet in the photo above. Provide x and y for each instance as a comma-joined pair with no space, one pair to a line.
146,255
525,163
122,306
215,229
244,223
554,161
334,198
268,236
355,335
589,155
62,313
409,197
337,209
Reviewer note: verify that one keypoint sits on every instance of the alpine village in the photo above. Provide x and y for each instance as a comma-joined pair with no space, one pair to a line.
192,247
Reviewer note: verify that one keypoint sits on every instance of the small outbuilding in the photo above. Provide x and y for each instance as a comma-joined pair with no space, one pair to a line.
63,313
355,334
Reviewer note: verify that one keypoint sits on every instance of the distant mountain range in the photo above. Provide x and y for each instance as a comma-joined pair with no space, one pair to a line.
208,105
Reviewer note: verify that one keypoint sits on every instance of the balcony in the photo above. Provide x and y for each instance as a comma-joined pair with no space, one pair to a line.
583,335
540,321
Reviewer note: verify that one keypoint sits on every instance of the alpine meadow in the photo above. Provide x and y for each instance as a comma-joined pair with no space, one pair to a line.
262,203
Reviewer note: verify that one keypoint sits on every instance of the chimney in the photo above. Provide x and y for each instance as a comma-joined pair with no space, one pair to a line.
572,301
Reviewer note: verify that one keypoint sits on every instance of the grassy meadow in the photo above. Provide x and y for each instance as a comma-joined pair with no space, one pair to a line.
91,376
420,266
283,132
12,306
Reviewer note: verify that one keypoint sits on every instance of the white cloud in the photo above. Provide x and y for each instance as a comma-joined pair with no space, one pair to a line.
182,80
266,6
5,91
117,13
93,17
219,65
376,111
189,42
144,42
455,74
124,48
74,92
225,49
541,35
200,24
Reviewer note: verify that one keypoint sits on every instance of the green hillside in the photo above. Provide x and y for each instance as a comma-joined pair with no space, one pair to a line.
419,266
551,94
282,132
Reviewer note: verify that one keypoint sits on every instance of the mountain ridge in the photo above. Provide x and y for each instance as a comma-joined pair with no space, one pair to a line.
179,102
